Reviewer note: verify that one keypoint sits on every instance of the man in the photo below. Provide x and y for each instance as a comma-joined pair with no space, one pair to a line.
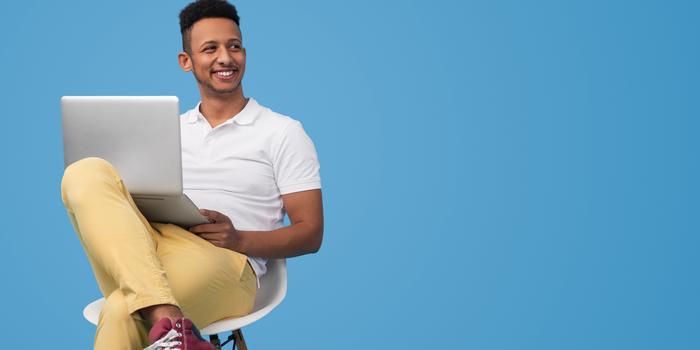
245,164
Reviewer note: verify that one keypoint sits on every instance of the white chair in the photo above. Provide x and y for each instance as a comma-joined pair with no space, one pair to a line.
273,288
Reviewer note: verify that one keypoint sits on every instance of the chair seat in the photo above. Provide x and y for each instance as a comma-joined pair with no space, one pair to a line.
273,289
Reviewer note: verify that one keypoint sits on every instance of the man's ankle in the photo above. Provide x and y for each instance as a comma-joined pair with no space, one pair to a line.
154,313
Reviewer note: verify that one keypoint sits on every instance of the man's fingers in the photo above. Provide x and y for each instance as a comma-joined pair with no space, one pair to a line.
213,238
207,214
204,228
213,215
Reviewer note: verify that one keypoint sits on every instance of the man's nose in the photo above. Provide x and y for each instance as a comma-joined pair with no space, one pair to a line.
224,57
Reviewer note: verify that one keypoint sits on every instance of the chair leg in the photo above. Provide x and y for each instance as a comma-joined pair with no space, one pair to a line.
238,339
214,339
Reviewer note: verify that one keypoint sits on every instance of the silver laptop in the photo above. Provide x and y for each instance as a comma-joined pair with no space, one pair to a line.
140,136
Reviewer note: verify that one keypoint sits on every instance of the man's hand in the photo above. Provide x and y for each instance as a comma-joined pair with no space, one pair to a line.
220,232
303,236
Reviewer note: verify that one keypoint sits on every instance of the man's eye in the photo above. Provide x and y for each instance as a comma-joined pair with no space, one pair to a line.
209,49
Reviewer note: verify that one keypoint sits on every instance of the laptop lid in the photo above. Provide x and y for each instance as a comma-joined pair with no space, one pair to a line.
139,135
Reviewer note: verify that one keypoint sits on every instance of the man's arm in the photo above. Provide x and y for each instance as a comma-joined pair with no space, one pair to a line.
303,236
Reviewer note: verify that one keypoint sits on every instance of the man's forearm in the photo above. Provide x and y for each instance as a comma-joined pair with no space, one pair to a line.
293,240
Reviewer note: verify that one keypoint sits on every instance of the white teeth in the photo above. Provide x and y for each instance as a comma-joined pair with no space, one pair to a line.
226,73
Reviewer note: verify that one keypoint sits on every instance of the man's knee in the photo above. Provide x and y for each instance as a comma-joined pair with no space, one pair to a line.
86,166
80,176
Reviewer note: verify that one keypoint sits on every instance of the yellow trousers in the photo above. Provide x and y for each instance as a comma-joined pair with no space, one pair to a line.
139,264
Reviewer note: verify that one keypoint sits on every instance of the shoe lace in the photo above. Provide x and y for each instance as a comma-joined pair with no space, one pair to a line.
167,342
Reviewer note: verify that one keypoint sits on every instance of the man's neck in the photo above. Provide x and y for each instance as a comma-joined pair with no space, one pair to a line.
218,109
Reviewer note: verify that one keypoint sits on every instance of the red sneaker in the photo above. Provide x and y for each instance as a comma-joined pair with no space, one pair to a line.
180,334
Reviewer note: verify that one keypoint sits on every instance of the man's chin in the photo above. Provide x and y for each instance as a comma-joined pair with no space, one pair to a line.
218,91
227,91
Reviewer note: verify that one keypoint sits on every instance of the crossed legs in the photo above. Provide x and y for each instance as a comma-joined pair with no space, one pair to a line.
146,270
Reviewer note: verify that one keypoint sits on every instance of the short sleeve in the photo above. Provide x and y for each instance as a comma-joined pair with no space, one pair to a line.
295,161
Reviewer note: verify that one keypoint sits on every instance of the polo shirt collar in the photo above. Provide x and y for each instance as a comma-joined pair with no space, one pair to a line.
246,116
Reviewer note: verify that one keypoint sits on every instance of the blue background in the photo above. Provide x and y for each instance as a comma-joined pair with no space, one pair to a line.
497,174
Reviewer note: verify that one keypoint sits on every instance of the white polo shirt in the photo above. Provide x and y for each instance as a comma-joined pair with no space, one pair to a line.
242,167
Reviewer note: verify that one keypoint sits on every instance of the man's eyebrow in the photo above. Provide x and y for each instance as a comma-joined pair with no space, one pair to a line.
214,41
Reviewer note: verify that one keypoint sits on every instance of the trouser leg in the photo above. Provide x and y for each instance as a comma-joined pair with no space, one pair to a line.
209,283
138,266
121,247
117,329
117,239
206,280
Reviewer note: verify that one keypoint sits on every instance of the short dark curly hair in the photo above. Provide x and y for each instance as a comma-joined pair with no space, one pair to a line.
201,9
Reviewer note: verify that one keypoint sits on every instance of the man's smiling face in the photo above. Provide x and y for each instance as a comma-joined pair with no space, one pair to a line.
217,56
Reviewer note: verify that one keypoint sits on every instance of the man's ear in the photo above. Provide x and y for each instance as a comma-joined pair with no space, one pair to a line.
185,61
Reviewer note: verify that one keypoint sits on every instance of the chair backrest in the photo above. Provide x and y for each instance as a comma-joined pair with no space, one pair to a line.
273,285
273,289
